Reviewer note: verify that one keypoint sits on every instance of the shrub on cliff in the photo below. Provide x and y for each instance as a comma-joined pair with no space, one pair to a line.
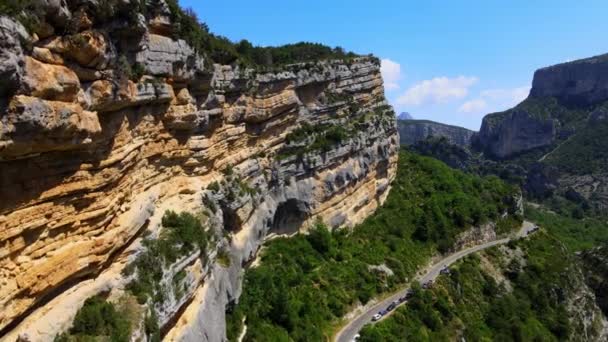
181,234
98,318
221,50
29,12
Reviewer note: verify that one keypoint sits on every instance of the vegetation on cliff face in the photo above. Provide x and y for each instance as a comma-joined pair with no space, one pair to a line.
595,264
585,152
306,283
221,50
323,137
576,233
182,234
99,318
187,26
522,296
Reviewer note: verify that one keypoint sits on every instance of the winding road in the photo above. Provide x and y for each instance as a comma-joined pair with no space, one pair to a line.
348,332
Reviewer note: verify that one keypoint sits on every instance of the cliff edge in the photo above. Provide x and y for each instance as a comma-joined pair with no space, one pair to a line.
110,124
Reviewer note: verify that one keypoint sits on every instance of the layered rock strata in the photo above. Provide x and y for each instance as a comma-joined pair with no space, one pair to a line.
413,131
91,156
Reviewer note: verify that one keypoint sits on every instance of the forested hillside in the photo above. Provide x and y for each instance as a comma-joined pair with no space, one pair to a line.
304,284
530,290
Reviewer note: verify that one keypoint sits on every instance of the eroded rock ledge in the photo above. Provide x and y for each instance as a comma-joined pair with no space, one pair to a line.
90,158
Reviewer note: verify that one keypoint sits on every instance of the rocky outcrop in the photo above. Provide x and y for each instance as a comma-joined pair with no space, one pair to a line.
579,83
92,155
594,262
552,112
556,134
504,135
413,131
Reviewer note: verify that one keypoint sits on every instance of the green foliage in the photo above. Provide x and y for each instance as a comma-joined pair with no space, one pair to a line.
223,258
151,327
98,318
289,54
322,137
228,170
221,50
542,108
213,186
123,65
182,234
575,233
137,71
585,152
320,238
305,283
596,273
469,303
29,12
507,225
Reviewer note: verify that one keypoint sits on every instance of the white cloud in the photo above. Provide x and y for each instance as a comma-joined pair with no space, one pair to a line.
491,100
437,90
391,73
512,96
473,106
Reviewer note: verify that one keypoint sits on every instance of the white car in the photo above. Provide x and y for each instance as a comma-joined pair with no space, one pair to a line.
376,317
356,338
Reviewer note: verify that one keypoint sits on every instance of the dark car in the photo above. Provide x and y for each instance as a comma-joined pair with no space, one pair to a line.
427,285
391,307
409,294
445,270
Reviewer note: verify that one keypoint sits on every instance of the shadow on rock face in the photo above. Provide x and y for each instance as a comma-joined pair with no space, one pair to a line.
289,217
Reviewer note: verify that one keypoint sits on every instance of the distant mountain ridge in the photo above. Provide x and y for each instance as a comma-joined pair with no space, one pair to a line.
414,131
405,116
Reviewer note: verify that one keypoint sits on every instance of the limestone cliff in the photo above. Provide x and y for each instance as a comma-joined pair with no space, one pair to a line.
105,128
413,131
560,101
558,133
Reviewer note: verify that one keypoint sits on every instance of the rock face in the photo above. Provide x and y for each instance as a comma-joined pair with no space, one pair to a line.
90,158
579,83
413,131
552,110
557,133
515,132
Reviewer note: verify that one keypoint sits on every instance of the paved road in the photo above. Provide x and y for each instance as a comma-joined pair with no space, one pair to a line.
349,331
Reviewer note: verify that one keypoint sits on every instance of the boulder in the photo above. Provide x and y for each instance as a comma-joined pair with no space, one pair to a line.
34,125
163,56
49,81
11,55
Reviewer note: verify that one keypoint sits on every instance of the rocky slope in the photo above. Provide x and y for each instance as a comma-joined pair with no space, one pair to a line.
595,263
413,131
105,128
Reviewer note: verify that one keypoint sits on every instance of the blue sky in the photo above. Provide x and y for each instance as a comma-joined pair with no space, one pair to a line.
444,60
